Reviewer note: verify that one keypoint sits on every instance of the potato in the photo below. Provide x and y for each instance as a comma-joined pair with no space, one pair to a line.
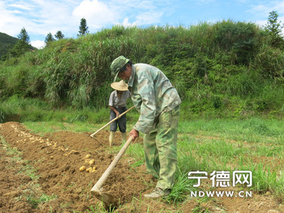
92,162
94,169
89,169
73,151
82,168
88,156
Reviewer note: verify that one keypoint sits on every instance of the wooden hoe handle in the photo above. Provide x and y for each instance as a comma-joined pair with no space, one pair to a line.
104,177
92,135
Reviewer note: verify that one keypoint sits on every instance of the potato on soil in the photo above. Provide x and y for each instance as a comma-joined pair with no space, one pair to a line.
90,169
94,169
88,156
82,168
92,162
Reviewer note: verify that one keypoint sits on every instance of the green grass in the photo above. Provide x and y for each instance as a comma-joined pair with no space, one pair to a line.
249,130
28,111
181,189
254,144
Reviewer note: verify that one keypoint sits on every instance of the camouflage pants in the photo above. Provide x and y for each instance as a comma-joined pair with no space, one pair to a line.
161,150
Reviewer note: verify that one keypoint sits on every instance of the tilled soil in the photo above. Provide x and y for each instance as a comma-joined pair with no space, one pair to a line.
62,187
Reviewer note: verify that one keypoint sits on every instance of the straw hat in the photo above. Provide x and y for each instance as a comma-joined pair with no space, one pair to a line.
120,86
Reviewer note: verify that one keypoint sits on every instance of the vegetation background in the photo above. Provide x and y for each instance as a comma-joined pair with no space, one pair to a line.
6,42
223,70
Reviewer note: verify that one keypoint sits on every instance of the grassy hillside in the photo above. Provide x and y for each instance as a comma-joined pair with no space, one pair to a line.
226,69
6,42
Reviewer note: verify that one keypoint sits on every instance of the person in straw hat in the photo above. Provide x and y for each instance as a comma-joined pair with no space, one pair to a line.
158,103
117,105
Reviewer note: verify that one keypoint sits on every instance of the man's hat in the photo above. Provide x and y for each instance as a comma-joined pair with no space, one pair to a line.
117,64
120,86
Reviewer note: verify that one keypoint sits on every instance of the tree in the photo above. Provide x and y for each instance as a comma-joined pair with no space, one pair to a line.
59,35
22,44
49,38
274,29
24,37
83,29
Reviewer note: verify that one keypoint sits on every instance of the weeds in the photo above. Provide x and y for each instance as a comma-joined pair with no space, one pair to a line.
181,189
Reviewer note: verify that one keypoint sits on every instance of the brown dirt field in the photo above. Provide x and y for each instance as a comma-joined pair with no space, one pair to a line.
57,158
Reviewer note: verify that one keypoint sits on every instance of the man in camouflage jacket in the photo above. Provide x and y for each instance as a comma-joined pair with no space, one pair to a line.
158,103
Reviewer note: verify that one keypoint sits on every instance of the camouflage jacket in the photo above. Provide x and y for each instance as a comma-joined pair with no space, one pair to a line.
151,93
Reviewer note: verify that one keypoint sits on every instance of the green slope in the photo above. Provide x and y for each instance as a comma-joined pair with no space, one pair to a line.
6,42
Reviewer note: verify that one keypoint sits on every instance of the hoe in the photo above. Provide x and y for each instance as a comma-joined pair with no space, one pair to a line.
92,135
108,199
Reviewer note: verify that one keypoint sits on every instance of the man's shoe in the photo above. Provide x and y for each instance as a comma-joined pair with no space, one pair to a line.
158,193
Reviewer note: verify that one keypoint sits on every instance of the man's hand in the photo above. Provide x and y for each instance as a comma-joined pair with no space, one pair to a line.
134,133
117,113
